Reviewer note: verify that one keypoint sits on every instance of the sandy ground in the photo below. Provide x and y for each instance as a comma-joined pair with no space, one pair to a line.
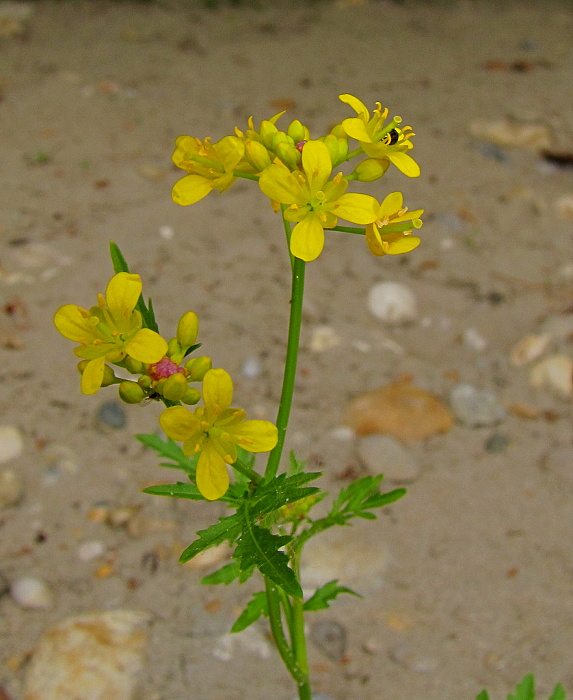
478,589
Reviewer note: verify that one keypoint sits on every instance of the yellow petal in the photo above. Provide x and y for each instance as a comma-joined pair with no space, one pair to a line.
374,241
307,240
229,150
358,106
356,129
190,189
212,476
278,183
180,424
404,244
316,163
73,323
92,376
404,163
358,208
146,346
255,435
391,204
409,216
122,293
217,390
185,146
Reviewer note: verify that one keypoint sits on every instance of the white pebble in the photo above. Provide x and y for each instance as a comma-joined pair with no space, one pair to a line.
11,443
323,338
528,349
476,407
31,593
252,367
392,302
166,232
554,372
474,340
90,550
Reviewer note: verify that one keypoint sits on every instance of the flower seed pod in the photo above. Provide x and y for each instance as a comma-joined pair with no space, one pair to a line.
131,392
175,387
187,329
198,368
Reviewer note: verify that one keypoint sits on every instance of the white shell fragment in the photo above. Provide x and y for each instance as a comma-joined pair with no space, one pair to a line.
528,349
95,656
392,302
31,593
476,407
554,372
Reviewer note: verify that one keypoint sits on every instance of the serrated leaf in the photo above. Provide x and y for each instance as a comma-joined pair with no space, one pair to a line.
524,690
379,500
258,547
171,450
227,574
326,593
280,491
296,466
255,608
178,490
227,529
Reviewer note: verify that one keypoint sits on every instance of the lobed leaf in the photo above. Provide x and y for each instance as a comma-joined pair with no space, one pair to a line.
178,490
171,450
227,574
227,529
326,593
255,609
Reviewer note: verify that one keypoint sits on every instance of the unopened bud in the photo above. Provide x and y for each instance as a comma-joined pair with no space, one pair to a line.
257,155
267,132
187,329
192,396
133,366
144,381
131,392
175,387
173,347
198,368
298,132
371,169
289,155
108,376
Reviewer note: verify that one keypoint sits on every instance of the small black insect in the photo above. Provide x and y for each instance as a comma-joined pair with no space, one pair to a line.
391,137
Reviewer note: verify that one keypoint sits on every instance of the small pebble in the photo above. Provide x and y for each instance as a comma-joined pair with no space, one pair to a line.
497,442
476,407
32,593
474,340
382,454
251,368
330,638
324,338
111,414
166,232
392,302
404,655
528,349
11,488
11,443
554,372
491,151
90,550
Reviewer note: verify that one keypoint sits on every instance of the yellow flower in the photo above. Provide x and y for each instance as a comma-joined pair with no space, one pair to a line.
214,431
386,143
397,223
210,166
110,331
315,202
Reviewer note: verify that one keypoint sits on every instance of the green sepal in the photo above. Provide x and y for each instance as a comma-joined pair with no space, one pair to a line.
326,593
120,265
256,607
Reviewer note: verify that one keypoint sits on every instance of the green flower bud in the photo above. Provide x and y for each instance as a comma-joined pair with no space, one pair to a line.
191,396
131,392
298,132
198,368
133,366
331,142
108,376
339,132
82,364
267,132
281,137
144,381
289,155
175,387
187,330
342,150
257,155
371,169
173,347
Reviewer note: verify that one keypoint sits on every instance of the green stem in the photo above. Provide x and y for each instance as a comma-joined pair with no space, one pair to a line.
349,229
297,631
290,366
247,471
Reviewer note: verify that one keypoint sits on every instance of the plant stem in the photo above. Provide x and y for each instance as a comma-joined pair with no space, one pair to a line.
297,631
290,366
275,619
247,471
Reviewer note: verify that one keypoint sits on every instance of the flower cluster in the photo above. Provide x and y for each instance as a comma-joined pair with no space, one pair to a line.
296,173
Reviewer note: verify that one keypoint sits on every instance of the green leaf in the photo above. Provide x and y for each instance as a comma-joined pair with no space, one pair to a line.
255,608
321,597
120,265
524,690
483,695
227,574
117,260
170,450
228,528
558,693
178,490
280,491
258,547
296,466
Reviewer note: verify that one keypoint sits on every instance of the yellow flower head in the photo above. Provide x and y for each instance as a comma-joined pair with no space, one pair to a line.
210,166
214,431
315,202
387,143
110,331
397,223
